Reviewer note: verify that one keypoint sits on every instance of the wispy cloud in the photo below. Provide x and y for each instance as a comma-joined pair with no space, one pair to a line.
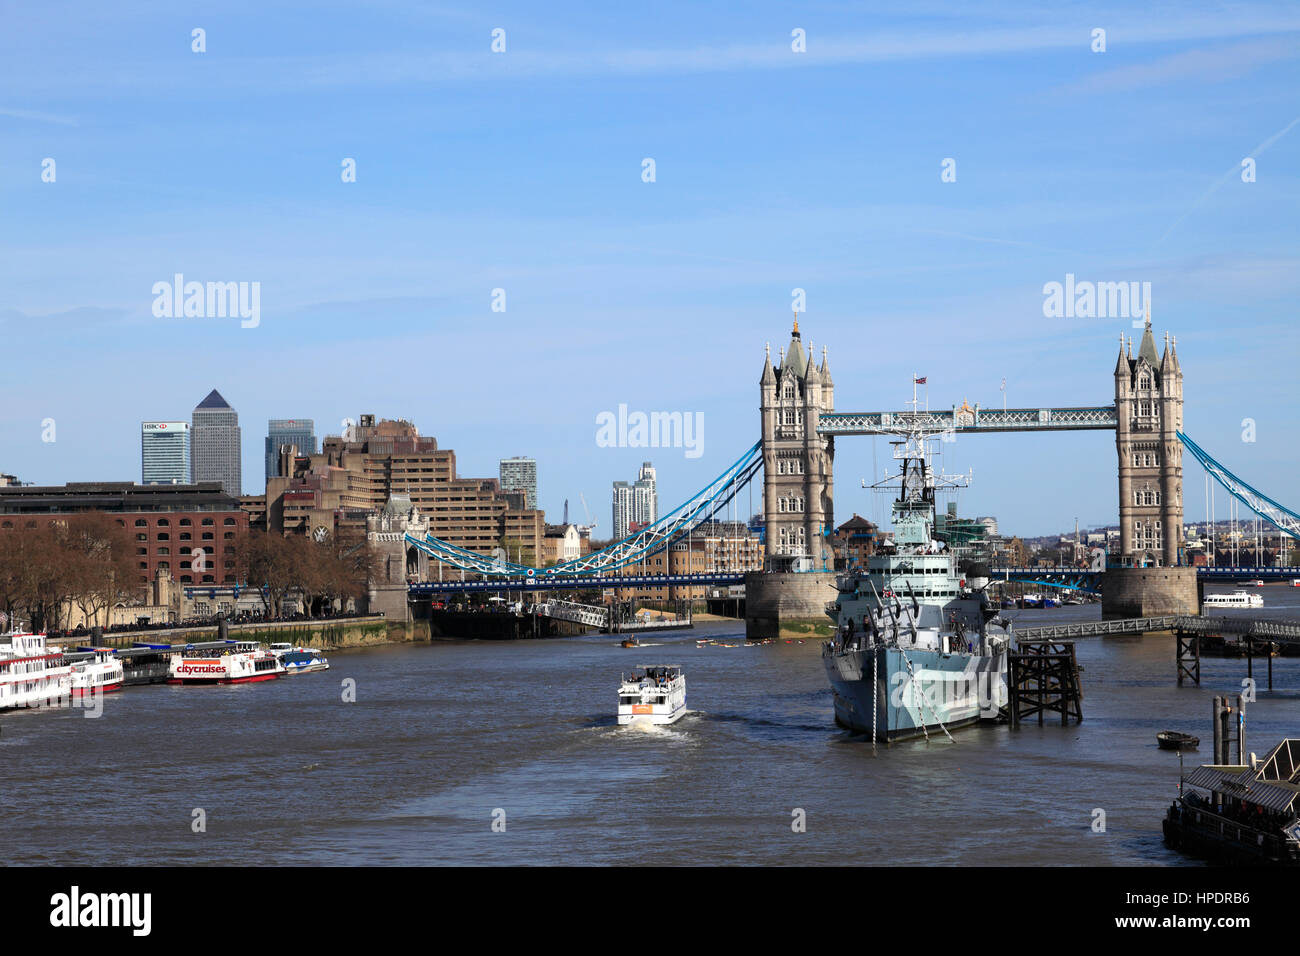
1198,66
39,117
1232,173
581,56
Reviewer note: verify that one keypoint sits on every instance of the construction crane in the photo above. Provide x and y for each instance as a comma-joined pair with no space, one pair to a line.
590,526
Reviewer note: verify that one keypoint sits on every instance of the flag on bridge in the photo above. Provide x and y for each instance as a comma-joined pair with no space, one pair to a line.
919,381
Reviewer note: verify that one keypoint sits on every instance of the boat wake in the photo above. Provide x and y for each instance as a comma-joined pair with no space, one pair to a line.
645,728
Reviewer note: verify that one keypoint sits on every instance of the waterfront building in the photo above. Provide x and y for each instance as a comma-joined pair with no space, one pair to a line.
358,473
280,432
215,443
797,462
1149,409
855,541
165,453
520,474
561,543
187,530
711,547
635,504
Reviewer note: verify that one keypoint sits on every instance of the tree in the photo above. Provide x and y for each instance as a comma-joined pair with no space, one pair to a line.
268,561
37,573
99,556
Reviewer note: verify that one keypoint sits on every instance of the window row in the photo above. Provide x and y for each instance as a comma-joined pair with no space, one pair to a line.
184,522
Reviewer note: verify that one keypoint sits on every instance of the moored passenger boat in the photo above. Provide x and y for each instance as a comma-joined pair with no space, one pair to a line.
102,674
1235,599
239,662
655,695
32,673
303,660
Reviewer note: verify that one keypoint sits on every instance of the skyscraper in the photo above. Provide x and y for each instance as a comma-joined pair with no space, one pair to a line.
645,495
164,453
520,474
622,510
214,443
288,431
636,503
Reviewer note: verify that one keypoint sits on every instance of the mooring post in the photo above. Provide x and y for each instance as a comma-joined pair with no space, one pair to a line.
1270,671
1217,710
1241,730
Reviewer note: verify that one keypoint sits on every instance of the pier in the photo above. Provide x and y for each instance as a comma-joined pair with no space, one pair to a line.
1250,632
1043,679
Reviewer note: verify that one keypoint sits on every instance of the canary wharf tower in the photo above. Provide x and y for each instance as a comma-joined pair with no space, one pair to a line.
214,443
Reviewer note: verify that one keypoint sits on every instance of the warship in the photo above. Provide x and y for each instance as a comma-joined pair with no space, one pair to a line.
918,647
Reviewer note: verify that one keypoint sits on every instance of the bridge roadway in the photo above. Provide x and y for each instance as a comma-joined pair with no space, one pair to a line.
1086,579
578,581
560,581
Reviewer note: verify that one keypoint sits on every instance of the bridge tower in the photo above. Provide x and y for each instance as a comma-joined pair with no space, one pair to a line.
1149,409
798,477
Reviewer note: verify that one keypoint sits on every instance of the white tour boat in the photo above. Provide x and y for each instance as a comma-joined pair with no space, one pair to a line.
302,660
1235,599
32,673
240,662
102,674
653,694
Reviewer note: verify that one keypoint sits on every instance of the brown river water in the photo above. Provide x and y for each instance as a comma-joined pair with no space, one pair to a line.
442,739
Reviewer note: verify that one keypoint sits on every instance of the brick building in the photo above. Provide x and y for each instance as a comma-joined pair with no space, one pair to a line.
171,524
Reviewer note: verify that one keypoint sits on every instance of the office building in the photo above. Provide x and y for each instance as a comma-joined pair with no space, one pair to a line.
357,474
165,453
298,432
215,443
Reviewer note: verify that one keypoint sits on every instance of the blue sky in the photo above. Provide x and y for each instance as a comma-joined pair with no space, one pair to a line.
522,171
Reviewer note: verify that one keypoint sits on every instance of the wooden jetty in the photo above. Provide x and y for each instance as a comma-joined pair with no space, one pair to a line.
1043,679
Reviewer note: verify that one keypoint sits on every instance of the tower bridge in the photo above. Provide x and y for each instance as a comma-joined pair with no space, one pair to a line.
796,451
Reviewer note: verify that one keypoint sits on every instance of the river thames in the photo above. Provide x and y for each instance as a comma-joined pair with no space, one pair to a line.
444,736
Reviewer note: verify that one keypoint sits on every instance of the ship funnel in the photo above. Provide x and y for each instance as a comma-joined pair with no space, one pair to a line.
977,575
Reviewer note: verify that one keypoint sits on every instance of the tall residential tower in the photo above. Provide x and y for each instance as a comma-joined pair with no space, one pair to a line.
520,474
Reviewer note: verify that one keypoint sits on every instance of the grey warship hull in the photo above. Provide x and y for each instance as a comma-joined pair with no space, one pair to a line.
897,694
